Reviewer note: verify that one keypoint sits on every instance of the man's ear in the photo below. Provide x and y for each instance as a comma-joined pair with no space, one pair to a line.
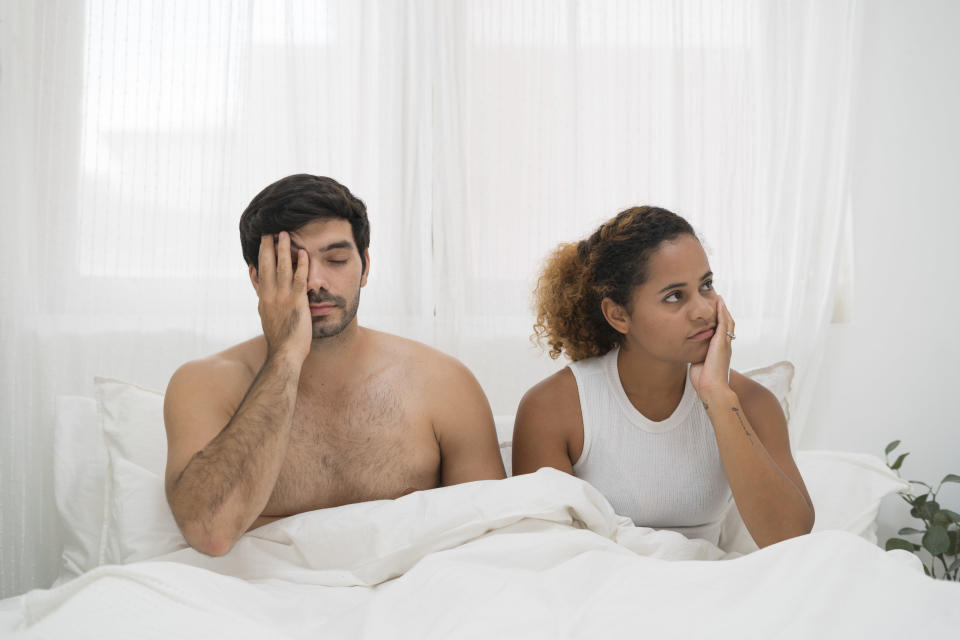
617,317
255,279
366,271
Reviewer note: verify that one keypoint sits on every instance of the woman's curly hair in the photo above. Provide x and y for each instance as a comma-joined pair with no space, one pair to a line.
609,264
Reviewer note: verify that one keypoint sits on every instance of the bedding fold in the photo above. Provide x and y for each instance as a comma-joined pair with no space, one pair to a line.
535,556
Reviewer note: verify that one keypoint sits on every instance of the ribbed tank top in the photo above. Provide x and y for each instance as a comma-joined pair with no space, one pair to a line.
665,475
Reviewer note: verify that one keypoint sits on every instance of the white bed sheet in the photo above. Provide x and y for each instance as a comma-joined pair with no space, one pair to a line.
536,556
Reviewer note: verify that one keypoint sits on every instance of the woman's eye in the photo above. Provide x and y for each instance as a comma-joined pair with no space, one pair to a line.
708,285
673,297
338,262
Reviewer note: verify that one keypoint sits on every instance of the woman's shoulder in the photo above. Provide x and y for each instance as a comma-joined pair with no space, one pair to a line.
548,430
552,404
754,397
558,390
558,395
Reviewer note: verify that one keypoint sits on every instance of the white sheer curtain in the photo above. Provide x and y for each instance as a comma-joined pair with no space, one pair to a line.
478,133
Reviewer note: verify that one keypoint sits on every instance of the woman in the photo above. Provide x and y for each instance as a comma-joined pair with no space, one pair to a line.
649,411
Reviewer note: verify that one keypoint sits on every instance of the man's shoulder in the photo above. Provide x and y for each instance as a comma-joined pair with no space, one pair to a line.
417,356
231,369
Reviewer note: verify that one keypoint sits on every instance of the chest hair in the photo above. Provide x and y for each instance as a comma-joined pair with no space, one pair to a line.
362,444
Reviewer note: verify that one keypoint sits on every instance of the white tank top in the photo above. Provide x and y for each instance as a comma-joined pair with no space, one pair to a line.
665,475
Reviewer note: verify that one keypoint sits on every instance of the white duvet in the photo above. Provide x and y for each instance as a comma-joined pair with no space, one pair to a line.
536,556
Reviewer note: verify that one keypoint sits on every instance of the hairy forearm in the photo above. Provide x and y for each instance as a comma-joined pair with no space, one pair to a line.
773,508
227,484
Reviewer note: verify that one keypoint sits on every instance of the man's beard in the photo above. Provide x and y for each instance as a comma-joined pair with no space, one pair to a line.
325,330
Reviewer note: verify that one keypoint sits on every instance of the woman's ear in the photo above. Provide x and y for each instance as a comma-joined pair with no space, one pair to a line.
617,317
255,279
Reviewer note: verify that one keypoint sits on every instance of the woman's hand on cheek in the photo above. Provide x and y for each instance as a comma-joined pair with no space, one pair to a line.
713,374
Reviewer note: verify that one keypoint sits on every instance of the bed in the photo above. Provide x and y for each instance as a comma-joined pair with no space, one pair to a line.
541,555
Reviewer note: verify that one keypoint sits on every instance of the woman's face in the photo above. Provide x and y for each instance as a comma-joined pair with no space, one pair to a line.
673,314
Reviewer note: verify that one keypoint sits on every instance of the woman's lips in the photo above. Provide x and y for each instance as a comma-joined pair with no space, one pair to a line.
703,335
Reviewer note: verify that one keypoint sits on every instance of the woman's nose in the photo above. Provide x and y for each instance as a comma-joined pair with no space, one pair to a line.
705,309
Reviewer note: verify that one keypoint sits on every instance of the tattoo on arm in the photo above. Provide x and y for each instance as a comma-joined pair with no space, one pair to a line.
736,412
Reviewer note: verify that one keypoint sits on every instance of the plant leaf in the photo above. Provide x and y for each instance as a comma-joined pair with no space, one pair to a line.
936,540
891,447
955,565
919,482
954,539
942,519
898,543
896,465
950,477
929,509
918,503
953,515
908,531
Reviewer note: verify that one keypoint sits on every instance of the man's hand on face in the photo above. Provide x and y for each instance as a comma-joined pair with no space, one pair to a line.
284,310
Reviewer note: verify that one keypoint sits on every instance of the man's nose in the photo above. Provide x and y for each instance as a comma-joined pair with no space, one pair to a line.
317,278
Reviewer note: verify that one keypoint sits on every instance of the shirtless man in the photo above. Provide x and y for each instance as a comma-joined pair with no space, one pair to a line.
316,412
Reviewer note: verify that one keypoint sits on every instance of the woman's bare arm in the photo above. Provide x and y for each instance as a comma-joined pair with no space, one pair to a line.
754,447
751,433
548,428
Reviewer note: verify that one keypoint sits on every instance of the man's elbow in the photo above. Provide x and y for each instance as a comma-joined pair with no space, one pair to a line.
207,540
211,545
206,537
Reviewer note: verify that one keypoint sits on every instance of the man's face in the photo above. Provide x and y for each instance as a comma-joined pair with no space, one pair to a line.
335,274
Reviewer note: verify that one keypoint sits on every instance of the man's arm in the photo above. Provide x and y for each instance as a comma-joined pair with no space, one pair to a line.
218,486
464,427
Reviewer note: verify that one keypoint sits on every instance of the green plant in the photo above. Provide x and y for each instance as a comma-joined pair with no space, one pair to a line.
940,526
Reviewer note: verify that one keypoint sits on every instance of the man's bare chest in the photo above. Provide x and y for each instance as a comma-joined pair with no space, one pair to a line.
368,443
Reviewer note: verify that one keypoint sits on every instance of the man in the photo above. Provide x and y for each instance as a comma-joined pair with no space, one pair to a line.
318,411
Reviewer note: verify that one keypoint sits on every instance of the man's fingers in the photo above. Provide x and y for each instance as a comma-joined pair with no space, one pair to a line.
267,262
284,268
300,275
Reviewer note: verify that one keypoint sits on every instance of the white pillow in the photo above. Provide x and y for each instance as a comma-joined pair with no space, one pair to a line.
504,424
778,378
79,474
137,521
846,490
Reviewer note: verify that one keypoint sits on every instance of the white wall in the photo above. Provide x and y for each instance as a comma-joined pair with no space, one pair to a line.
893,371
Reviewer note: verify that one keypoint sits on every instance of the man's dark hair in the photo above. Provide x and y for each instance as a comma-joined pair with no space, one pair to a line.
291,202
